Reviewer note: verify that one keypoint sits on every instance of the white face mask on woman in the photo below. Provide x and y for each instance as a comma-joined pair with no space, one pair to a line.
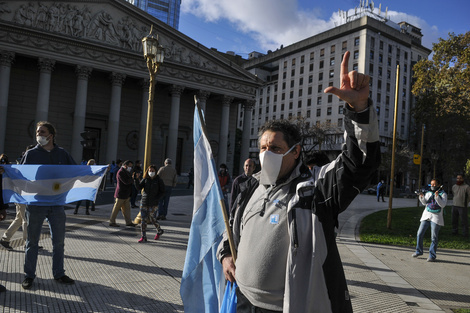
271,166
151,174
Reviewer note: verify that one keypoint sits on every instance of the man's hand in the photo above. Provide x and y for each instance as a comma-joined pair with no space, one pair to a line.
3,214
354,87
228,268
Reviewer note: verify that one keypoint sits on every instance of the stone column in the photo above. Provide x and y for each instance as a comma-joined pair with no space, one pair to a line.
174,122
117,79
83,73
6,60
143,118
245,146
224,126
202,96
46,66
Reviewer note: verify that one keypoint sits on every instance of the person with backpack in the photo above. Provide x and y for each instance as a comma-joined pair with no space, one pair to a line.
434,201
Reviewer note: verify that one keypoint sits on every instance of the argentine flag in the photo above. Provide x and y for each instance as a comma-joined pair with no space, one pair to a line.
47,185
202,282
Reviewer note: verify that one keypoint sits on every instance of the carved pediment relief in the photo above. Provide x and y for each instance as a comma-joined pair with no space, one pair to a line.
103,22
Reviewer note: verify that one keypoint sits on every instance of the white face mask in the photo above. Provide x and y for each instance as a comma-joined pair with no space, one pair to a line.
42,140
271,166
151,174
129,169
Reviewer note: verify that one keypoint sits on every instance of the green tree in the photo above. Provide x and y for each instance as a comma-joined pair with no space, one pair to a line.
442,90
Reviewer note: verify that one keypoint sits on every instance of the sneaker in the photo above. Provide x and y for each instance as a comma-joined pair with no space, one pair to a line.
65,280
6,244
431,259
131,225
113,225
157,236
160,231
27,283
415,255
142,239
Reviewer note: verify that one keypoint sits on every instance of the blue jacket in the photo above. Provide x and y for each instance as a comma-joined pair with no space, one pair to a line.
38,155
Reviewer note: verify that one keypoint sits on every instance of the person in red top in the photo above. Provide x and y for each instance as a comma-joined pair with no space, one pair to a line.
224,180
123,194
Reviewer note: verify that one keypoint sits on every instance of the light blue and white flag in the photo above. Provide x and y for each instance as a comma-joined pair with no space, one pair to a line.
46,185
202,282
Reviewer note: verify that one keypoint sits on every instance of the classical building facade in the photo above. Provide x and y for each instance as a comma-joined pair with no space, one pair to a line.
295,77
79,65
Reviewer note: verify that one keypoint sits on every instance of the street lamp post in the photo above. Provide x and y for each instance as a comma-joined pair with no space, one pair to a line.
434,158
154,54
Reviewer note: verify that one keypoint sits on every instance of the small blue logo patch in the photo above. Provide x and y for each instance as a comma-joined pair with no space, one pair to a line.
274,219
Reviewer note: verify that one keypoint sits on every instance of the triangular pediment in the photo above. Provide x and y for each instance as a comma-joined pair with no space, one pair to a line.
109,33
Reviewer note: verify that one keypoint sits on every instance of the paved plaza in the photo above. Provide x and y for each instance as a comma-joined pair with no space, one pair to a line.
114,273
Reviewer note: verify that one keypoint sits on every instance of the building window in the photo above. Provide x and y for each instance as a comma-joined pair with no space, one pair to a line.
320,88
267,100
379,96
344,46
320,76
283,85
389,61
372,42
299,104
356,54
371,54
340,109
321,64
300,92
275,98
381,45
389,48
291,105
260,101
381,57
389,74
282,116
291,95
267,109
328,111
378,110
379,84
318,112
309,102
340,122
332,73
310,79
310,68
380,71
308,113
387,100
322,52
355,67
332,61
371,69
282,107
283,96
292,84
406,55
302,59
405,68
386,126
301,81
318,100
330,98
388,87
332,49
284,75
356,41
309,90
404,80
312,55
293,62
301,70
285,64
274,108
292,72
387,112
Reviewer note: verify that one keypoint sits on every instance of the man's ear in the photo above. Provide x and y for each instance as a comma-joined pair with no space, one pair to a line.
296,151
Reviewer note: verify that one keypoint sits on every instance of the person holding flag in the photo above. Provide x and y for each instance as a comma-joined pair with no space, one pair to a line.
284,219
45,186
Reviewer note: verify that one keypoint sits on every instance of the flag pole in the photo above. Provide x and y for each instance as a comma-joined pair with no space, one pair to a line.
222,202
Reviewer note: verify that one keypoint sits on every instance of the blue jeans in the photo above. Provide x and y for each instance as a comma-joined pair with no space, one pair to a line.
434,238
163,204
35,216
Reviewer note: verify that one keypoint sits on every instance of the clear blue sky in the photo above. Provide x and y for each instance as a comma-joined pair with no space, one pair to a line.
244,26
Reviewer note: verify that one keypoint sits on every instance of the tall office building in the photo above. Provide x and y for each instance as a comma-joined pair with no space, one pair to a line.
295,77
167,11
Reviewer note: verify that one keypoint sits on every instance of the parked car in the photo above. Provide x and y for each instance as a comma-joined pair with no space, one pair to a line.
372,190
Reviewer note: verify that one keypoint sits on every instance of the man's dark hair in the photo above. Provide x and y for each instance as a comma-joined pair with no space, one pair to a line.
49,127
289,130
437,180
223,165
318,159
127,162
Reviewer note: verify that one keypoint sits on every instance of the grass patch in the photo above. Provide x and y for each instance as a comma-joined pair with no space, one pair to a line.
405,224
461,310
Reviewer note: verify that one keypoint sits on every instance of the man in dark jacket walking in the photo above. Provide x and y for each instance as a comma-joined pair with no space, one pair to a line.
122,195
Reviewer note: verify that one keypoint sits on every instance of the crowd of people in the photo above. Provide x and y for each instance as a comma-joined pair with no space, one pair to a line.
283,217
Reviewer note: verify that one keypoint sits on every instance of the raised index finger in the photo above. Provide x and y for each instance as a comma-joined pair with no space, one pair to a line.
344,64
